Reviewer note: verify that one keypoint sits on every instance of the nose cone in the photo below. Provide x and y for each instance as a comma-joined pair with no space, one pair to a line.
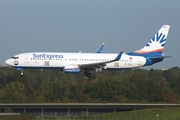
8,61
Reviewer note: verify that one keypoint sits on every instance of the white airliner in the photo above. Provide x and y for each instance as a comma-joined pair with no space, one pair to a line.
73,63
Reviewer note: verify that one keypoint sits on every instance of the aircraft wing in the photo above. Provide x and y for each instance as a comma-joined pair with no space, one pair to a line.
92,66
99,64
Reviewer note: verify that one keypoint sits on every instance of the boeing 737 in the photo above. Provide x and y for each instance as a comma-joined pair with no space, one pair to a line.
74,63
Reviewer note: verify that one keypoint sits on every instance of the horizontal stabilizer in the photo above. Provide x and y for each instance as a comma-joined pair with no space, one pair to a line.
159,57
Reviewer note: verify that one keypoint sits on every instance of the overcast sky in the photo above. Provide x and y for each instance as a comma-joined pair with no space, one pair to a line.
82,25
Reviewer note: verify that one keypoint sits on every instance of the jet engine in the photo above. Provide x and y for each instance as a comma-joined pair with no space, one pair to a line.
71,69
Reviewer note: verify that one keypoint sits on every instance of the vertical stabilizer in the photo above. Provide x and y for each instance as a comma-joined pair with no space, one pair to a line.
156,45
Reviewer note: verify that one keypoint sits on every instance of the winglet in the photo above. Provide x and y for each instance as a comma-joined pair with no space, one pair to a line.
119,56
100,48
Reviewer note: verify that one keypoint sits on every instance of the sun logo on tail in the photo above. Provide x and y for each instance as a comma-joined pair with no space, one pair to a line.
157,41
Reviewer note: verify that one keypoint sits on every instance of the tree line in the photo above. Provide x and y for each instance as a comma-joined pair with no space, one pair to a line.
130,86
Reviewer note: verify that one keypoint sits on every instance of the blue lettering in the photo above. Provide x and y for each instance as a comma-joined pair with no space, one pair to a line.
49,56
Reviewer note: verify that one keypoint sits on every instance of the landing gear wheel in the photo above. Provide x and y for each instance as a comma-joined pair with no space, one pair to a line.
86,73
89,75
22,72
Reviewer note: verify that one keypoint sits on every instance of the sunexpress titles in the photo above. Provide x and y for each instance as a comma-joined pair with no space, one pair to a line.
50,56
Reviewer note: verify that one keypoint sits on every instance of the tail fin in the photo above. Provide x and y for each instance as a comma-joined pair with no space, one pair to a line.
156,45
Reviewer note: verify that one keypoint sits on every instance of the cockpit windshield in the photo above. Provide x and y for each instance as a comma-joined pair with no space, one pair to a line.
15,57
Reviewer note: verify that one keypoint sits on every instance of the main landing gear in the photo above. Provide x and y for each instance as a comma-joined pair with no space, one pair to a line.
89,75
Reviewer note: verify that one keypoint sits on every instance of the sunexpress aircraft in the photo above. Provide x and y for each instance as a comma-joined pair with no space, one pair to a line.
74,63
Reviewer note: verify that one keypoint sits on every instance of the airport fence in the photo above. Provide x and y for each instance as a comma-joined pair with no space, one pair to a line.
88,116
94,116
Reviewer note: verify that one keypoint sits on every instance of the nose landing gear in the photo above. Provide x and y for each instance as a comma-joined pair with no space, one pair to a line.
22,72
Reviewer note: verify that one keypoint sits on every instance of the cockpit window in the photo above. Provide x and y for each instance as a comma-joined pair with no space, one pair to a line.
15,57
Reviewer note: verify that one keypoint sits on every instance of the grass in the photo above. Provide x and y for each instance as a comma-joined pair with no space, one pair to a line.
147,114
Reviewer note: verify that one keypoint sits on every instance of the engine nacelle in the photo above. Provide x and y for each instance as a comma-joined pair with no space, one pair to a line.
71,69
16,68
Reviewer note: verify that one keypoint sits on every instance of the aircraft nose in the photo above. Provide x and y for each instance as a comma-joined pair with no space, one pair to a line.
8,61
